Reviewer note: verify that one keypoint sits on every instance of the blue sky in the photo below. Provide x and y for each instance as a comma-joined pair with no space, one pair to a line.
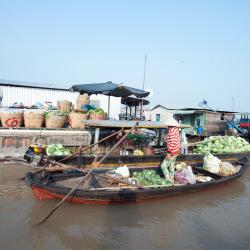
195,49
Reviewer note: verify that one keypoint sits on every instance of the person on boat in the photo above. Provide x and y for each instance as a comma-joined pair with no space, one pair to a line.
173,139
199,130
184,143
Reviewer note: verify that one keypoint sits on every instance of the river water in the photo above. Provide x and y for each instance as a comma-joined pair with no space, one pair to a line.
213,219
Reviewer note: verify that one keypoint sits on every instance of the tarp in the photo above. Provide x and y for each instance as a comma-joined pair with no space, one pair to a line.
109,88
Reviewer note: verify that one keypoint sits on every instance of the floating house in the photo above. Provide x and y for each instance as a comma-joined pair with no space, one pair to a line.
212,123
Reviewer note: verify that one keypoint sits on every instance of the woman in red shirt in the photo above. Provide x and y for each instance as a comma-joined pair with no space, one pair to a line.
173,142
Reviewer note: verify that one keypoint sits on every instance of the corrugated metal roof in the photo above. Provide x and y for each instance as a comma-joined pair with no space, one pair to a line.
5,82
196,110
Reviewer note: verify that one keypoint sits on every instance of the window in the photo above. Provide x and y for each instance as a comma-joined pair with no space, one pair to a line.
158,117
198,122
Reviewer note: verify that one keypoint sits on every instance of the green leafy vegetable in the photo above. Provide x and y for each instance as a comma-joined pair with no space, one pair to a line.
222,144
57,150
150,178
55,112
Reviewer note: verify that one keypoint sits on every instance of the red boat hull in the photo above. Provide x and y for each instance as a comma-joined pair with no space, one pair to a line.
43,194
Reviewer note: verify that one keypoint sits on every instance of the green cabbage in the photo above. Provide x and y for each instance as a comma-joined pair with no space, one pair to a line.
150,178
57,150
222,144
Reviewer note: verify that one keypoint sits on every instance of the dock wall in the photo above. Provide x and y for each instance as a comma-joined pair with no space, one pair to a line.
14,142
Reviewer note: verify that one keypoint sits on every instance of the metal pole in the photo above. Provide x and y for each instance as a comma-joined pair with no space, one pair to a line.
135,110
143,83
108,106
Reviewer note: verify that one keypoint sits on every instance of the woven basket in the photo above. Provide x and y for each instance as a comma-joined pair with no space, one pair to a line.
76,120
64,106
97,116
11,120
82,100
33,119
55,121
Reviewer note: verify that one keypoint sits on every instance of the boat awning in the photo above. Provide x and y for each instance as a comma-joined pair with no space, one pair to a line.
129,124
109,88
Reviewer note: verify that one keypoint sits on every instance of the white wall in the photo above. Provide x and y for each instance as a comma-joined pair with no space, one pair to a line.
164,114
29,96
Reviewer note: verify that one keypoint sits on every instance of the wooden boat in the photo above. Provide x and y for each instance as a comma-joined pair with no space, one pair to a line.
55,185
85,161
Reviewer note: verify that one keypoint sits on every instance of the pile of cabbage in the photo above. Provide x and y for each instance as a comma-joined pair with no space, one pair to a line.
222,144
150,178
57,150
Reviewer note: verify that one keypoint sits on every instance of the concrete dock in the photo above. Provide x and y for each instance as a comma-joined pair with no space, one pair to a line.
14,142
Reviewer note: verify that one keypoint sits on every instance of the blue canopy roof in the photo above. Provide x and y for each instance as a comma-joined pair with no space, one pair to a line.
109,88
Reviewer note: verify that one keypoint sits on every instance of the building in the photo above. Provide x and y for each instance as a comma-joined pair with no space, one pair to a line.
29,93
211,122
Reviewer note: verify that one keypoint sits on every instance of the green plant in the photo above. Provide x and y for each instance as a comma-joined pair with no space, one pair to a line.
55,112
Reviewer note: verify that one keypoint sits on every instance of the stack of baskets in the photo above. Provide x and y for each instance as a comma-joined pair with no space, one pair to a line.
97,116
55,120
76,120
10,119
64,106
82,100
33,119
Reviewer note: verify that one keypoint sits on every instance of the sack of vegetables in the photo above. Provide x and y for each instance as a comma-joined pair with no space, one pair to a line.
55,119
97,114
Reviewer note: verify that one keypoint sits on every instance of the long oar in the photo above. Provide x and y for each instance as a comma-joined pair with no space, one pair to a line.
66,196
115,146
92,145
88,174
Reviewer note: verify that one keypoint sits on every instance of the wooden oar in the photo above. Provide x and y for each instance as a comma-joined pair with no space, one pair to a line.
115,146
88,174
90,146
66,196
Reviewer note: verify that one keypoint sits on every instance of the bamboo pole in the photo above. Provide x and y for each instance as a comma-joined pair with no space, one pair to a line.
88,174
92,145
115,146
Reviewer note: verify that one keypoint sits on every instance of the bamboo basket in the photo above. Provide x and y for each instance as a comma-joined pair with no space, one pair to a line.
76,120
97,116
33,119
11,120
82,100
64,106
55,121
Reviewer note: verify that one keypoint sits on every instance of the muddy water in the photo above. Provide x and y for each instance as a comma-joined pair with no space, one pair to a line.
215,219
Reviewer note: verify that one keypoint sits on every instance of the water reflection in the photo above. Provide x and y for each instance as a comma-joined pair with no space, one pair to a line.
212,219
138,225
